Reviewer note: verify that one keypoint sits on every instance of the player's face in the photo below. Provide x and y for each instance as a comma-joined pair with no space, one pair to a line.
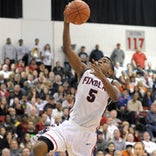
105,65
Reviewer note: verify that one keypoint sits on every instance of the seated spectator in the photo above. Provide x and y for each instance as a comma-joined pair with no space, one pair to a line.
65,115
26,152
32,105
110,148
8,124
17,106
18,91
2,79
33,116
130,139
58,69
17,80
59,95
41,124
22,127
68,101
58,120
15,119
151,120
3,106
33,65
100,143
139,149
50,120
124,129
57,82
5,71
150,146
148,99
119,143
100,152
25,142
4,91
134,106
14,148
20,66
111,126
31,129
128,151
6,152
113,115
136,134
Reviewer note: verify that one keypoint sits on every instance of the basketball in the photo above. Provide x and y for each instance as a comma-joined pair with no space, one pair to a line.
77,12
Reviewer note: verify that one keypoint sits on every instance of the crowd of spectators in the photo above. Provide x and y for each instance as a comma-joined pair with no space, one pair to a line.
36,93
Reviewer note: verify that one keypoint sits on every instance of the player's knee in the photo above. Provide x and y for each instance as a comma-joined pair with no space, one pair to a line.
40,148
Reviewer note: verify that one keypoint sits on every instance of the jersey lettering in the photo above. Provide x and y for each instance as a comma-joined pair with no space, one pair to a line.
93,82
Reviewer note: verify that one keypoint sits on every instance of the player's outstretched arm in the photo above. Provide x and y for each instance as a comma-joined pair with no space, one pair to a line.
72,57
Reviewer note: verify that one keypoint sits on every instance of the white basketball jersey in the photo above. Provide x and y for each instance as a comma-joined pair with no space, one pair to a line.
90,102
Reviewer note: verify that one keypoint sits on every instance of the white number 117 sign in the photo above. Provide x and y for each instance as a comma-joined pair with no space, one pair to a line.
135,39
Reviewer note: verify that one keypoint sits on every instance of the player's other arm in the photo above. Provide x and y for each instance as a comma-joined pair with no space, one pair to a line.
72,57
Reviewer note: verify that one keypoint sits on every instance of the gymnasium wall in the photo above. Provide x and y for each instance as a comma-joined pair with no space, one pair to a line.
87,34
36,23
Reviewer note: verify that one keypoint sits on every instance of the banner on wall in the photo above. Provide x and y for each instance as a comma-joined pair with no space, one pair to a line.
135,39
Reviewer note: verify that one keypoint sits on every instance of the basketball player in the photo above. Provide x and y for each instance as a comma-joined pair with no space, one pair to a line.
77,135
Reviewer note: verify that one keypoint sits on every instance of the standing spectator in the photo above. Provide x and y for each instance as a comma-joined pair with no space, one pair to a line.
151,120
83,55
35,52
9,51
22,52
96,54
139,59
118,55
47,57
118,70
